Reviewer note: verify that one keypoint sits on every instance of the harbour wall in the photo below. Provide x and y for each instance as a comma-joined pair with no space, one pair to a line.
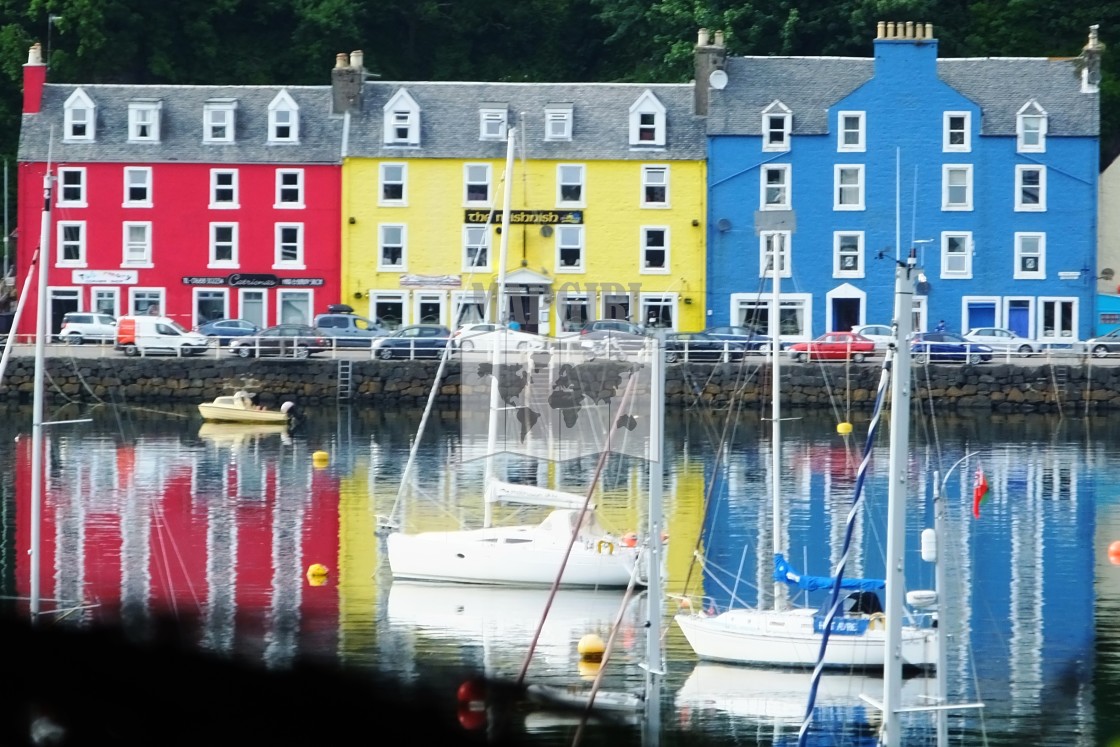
1069,385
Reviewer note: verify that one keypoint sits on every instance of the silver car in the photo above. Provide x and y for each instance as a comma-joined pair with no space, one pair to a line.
1004,340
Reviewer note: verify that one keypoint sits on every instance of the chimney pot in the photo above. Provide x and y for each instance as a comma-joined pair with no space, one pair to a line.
880,29
890,29
702,38
356,59
340,60
35,54
719,38
909,29
929,30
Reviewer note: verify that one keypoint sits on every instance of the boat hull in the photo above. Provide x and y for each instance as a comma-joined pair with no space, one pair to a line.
515,556
788,638
224,414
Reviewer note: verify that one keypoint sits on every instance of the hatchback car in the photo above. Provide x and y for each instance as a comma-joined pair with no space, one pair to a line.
701,347
228,329
1004,340
287,340
747,336
947,347
602,335
81,326
881,334
488,335
1105,345
413,341
834,346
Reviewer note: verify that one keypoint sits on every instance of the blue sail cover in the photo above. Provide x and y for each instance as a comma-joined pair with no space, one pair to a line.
783,571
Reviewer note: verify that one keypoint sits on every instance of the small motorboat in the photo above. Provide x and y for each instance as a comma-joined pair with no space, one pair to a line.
239,408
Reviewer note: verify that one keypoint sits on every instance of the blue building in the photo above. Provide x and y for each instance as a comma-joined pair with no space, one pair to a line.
987,168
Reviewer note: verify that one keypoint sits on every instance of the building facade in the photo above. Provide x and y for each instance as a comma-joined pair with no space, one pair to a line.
985,168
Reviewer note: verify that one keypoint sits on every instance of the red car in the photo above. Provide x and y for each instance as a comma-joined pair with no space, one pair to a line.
834,346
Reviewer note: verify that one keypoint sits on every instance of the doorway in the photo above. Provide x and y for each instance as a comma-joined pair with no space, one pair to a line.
525,310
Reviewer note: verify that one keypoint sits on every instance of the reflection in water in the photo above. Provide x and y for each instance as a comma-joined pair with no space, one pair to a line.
145,516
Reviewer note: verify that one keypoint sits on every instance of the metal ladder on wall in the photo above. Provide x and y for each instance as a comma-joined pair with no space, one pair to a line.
1060,377
345,379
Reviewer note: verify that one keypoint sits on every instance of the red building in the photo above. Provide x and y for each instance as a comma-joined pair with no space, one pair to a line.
195,202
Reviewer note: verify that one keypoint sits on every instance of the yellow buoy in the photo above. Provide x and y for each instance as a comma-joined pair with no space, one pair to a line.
843,428
317,574
320,458
588,670
591,647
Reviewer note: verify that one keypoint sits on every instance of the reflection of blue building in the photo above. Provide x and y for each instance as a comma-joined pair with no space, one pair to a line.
987,167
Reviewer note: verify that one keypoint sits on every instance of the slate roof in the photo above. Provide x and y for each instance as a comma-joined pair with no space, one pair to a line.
320,134
449,120
810,85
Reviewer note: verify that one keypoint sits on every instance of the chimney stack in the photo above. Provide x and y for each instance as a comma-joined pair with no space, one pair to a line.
708,58
1091,62
34,79
346,83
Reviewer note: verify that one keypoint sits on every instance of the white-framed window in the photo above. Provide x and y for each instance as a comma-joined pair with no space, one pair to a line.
849,193
402,120
774,244
957,130
283,119
558,122
476,248
223,189
847,254
476,184
468,307
295,306
492,123
655,250
1058,318
389,308
956,186
777,124
795,312
72,187
223,245
956,255
569,249
569,185
106,301
79,117
429,307
141,301
1030,188
574,309
138,186
658,310
392,247
1030,128
289,189
1030,256
775,187
289,246
143,120
253,303
851,132
71,243
394,184
647,121
137,244
655,186
218,120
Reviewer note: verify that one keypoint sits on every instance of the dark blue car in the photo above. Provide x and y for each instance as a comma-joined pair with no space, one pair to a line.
947,347
744,335
227,329
413,341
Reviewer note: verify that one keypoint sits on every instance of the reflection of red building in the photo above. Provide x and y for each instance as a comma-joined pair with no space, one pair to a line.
161,528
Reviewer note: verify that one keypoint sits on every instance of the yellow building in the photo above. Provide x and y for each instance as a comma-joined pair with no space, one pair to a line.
606,197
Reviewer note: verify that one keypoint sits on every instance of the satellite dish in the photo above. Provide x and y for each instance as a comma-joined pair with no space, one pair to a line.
724,225
1107,273
717,80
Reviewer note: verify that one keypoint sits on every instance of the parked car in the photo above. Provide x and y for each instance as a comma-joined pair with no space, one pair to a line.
488,335
1003,340
881,334
1105,345
147,334
80,326
603,335
287,340
227,329
701,347
349,330
947,347
749,337
413,341
834,346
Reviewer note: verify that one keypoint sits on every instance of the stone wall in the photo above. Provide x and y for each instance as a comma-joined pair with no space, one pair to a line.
1000,387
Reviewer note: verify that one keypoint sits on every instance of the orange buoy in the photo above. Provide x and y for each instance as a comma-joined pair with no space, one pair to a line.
630,539
472,704
1114,552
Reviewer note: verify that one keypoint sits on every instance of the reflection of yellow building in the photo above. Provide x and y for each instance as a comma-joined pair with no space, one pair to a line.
607,203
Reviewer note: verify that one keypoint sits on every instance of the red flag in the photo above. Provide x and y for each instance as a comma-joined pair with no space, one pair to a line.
979,492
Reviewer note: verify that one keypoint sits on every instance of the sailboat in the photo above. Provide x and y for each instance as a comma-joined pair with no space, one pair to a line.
855,630
569,543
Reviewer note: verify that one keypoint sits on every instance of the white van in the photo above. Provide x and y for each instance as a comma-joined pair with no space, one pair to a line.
141,335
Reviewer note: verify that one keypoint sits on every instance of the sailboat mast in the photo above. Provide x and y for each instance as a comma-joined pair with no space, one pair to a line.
776,255
37,402
897,491
654,656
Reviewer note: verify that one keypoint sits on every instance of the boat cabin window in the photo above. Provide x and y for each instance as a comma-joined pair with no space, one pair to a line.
862,603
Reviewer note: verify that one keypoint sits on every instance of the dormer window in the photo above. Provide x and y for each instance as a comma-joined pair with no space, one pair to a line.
402,120
558,122
647,121
777,124
218,120
1030,128
80,117
492,123
283,119
143,120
